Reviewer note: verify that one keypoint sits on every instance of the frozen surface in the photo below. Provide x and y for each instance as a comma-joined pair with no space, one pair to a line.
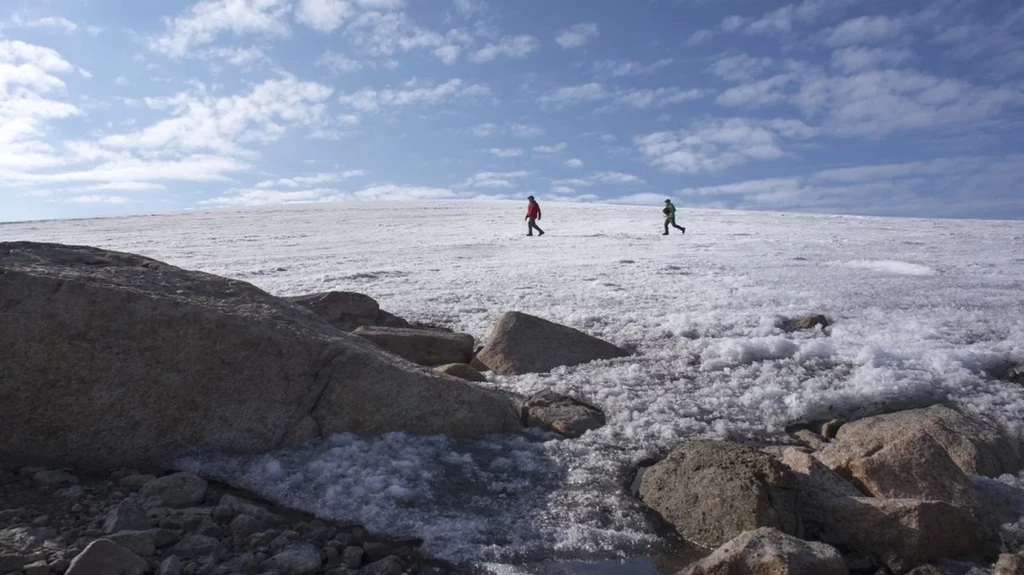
923,310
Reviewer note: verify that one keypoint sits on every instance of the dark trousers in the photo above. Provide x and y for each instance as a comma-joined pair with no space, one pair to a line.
672,221
533,226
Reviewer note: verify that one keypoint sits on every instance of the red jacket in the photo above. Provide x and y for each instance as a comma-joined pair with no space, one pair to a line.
533,210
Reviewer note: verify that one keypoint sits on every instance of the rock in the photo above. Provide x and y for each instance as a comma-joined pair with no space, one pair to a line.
810,322
977,446
104,557
193,546
10,562
245,525
152,360
141,543
810,439
37,568
1015,373
462,371
421,346
348,311
904,533
352,557
170,566
813,478
244,563
521,343
176,490
563,415
768,551
829,429
135,481
298,559
243,507
713,491
54,477
1010,564
386,566
127,516
914,467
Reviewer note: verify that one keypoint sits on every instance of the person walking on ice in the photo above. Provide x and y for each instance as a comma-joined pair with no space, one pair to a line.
532,215
670,217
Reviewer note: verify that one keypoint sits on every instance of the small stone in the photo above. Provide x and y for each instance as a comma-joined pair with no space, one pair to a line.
298,559
127,516
830,429
37,568
106,557
177,490
175,522
54,477
331,556
60,566
386,566
41,521
135,481
170,566
73,492
811,322
283,539
222,514
245,525
77,508
810,439
196,546
563,415
239,506
141,543
375,551
352,557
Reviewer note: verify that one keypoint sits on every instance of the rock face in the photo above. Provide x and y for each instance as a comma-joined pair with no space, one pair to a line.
422,346
914,467
904,533
768,551
713,491
124,361
461,371
978,447
104,557
348,311
563,415
521,343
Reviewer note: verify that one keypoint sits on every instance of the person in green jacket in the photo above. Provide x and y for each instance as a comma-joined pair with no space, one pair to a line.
670,217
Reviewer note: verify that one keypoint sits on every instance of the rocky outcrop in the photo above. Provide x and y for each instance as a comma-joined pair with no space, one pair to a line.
769,551
124,360
422,346
348,311
563,415
461,371
977,446
713,491
521,343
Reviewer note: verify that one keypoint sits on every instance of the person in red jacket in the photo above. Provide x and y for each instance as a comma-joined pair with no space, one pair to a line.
532,215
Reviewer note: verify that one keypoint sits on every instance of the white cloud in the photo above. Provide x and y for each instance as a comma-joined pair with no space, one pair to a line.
494,179
657,98
740,68
508,46
338,63
574,163
616,178
506,152
449,54
733,23
323,15
305,181
720,143
375,101
94,199
525,130
484,130
574,183
700,37
577,35
559,147
205,21
865,30
575,94
55,22
127,186
858,59
241,57
620,68
122,82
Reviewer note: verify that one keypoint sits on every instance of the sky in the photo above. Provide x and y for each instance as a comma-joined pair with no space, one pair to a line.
910,108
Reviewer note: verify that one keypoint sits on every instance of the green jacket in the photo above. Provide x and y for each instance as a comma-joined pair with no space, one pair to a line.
669,211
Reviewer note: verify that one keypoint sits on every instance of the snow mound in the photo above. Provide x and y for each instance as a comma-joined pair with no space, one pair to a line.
892,267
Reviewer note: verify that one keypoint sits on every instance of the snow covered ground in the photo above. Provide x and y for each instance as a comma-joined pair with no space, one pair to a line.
923,310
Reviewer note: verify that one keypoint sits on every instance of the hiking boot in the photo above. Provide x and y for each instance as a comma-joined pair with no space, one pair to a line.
665,234
684,230
540,234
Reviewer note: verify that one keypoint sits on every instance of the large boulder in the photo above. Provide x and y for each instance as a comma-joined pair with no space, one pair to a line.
104,557
563,415
914,467
115,360
977,446
713,491
521,343
423,346
461,371
769,551
904,533
348,311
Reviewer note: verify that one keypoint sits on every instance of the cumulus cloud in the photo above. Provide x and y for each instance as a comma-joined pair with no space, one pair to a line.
203,22
493,179
559,147
339,63
376,101
577,35
865,30
508,46
506,152
574,163
620,68
54,22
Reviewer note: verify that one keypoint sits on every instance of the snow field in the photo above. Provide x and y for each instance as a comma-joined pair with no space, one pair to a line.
924,311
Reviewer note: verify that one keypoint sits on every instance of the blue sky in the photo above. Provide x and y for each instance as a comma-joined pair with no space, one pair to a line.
910,108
